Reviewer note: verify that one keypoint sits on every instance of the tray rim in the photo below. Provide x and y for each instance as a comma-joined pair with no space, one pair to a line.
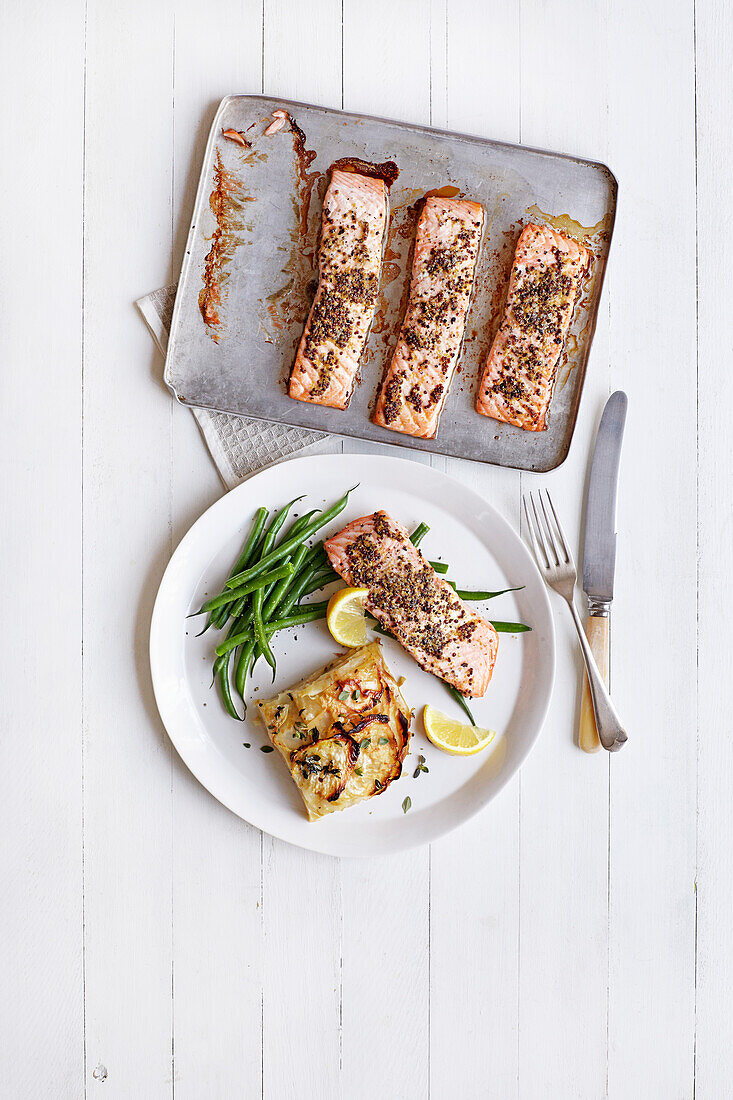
406,442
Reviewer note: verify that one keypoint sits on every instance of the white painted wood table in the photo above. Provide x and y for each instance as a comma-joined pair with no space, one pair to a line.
574,940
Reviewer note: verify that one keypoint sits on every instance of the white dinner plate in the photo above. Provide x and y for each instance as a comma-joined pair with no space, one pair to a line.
483,552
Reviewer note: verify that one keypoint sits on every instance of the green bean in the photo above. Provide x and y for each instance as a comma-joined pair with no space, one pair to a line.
303,609
260,635
249,547
239,639
258,625
292,599
419,534
262,547
211,621
281,588
259,595
256,654
316,555
232,608
306,615
244,663
301,523
315,560
276,526
242,622
226,689
237,627
460,699
242,562
286,547
299,559
467,594
298,588
321,581
440,566
256,552
270,595
283,597
237,607
256,585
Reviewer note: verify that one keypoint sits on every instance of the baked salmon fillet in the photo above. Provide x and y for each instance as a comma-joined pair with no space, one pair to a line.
545,280
418,379
343,733
409,599
349,263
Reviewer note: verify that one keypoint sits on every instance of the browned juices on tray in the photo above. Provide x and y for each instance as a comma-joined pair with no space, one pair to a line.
519,374
354,220
446,249
421,610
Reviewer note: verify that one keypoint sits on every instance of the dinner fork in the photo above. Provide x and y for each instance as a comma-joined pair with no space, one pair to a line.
557,566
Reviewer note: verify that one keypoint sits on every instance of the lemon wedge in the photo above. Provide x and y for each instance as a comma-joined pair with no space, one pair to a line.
450,735
345,616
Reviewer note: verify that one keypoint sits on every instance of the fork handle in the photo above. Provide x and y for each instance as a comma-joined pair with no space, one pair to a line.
596,631
610,731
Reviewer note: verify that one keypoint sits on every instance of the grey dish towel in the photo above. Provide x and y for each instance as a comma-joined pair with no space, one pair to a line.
239,446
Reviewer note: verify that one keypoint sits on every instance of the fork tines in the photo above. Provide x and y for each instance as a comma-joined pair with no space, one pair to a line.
546,532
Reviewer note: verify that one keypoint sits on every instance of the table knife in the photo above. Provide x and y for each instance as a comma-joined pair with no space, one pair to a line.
599,551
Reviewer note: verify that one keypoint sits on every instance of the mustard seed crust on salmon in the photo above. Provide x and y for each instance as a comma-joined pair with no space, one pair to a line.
343,733
519,374
406,595
350,259
416,386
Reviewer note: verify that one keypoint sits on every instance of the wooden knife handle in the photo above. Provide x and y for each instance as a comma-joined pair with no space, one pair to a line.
596,630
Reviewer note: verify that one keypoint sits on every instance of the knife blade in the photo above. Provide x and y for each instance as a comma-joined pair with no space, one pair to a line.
599,546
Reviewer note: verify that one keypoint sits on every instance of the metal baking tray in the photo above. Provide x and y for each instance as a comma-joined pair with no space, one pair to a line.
251,262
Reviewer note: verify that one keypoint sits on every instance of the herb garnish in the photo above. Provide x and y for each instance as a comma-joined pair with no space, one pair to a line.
407,802
420,767
313,765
